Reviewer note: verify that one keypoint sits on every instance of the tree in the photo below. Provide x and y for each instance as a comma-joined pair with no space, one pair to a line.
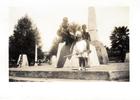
120,41
24,39
54,48
40,53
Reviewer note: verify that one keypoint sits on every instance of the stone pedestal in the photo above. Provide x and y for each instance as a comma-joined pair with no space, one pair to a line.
22,61
127,57
54,61
93,58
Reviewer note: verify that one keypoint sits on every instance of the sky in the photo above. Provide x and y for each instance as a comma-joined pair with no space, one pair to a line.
47,19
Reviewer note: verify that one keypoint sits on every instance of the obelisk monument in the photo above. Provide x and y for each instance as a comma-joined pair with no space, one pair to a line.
92,28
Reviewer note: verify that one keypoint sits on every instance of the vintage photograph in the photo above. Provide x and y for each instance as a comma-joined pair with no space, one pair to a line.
79,43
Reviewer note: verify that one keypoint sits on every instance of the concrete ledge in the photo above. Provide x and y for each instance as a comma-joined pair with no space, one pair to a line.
82,75
109,72
119,75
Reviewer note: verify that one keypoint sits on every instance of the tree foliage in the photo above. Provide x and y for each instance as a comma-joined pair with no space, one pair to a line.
24,39
120,41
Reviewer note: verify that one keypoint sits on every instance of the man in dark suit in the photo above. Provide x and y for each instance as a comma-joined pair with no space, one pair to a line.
86,36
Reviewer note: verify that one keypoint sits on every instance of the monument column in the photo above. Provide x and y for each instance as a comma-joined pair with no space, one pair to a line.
92,29
35,54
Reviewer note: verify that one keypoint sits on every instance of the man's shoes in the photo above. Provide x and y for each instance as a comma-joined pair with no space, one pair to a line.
84,68
80,68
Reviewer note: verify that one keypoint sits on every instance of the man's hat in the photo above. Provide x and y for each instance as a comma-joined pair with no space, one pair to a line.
84,26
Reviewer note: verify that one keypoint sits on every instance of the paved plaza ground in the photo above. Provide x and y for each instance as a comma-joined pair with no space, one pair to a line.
47,67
